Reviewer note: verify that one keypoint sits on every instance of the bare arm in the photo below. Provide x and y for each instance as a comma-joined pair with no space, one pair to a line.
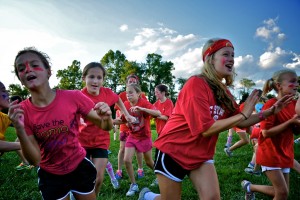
128,117
29,145
223,125
163,117
101,116
255,118
152,112
9,146
281,127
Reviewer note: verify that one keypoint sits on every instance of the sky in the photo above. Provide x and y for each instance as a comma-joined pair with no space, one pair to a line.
265,33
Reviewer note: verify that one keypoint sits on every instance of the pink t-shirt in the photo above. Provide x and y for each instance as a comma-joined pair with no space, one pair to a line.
277,151
55,128
166,109
140,129
195,112
91,136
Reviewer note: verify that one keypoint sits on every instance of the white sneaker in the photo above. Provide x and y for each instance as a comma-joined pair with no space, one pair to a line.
115,184
143,192
132,190
228,152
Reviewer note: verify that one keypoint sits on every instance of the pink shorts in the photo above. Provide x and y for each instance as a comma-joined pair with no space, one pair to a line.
123,136
143,145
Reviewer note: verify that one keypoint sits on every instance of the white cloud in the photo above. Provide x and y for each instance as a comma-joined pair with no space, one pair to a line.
188,63
240,60
163,41
263,32
270,33
295,64
272,58
123,27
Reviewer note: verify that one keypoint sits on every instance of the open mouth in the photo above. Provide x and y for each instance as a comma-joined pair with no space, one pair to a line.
229,66
30,77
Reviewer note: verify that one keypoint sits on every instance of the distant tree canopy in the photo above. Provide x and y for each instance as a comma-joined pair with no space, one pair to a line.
16,89
247,85
152,72
70,78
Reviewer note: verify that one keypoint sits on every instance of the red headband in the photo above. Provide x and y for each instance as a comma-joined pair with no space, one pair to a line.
215,47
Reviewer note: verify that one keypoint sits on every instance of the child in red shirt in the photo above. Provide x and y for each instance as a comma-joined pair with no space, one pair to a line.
275,151
95,140
164,105
204,108
139,138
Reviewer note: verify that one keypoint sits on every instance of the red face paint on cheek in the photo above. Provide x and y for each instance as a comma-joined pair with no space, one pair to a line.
223,61
291,85
38,69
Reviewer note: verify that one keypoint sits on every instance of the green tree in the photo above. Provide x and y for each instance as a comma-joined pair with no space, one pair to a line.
181,81
158,72
247,84
114,63
16,89
70,78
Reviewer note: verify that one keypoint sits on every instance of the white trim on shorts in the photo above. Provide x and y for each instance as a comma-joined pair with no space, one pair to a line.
284,170
168,174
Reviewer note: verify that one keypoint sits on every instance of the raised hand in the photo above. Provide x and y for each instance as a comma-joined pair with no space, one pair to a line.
281,103
250,103
103,110
16,114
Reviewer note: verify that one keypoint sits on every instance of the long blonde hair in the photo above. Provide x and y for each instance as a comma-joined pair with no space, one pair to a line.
222,97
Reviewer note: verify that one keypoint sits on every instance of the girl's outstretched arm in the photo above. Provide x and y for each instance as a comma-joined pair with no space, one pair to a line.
128,117
152,112
101,116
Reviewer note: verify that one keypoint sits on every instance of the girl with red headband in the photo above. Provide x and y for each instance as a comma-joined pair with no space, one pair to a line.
204,108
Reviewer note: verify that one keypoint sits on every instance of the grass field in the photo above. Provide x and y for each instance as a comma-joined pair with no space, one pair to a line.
22,185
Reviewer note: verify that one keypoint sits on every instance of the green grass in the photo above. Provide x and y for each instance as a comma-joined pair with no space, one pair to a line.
22,185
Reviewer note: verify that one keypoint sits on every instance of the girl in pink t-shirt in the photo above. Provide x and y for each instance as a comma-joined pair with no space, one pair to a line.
275,151
47,127
164,105
95,140
139,138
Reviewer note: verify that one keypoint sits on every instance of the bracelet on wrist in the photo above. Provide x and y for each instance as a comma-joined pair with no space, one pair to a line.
261,116
244,115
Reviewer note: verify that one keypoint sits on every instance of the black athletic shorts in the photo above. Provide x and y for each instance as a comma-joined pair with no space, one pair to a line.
96,153
166,166
81,181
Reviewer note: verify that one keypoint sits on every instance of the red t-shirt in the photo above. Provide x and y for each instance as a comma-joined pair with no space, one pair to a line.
255,131
91,136
55,128
166,109
123,97
195,112
140,129
277,151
